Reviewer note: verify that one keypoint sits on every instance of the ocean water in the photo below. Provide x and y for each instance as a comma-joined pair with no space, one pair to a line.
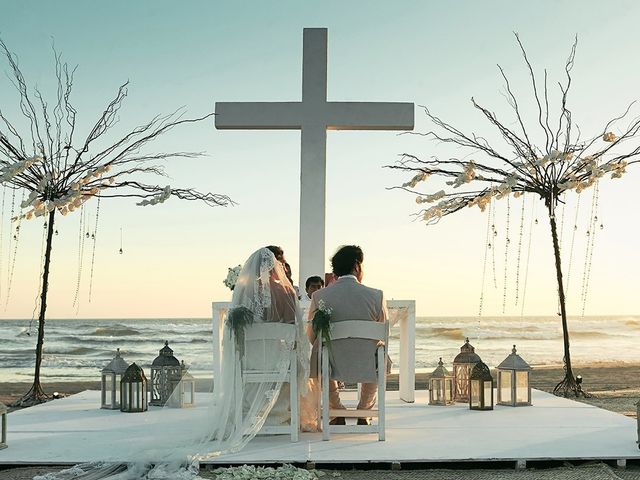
78,349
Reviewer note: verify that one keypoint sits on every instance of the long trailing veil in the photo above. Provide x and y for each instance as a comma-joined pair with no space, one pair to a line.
156,451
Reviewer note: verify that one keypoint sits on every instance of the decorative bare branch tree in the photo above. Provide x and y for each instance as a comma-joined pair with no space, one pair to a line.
562,163
60,173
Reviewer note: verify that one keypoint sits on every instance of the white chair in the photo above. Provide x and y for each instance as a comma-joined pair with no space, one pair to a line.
271,332
366,331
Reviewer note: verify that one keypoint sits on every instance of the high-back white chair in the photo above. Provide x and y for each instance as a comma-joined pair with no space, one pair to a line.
367,331
258,373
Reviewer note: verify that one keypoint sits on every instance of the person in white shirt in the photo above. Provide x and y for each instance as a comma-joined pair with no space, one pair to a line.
312,284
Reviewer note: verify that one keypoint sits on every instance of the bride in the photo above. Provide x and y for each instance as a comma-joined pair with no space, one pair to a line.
262,294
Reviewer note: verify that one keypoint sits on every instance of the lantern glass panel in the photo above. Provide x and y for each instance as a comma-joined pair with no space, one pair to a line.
522,387
188,396
475,393
118,380
504,384
448,390
488,393
437,390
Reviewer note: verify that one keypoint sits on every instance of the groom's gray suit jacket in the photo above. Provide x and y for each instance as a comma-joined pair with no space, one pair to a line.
353,360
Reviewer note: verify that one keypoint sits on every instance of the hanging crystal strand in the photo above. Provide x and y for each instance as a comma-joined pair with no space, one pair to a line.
561,227
16,239
4,192
487,246
94,236
80,257
594,199
11,234
592,238
507,241
38,292
573,240
494,234
519,251
526,271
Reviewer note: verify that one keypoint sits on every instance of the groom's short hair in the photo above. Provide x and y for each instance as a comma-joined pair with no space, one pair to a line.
345,259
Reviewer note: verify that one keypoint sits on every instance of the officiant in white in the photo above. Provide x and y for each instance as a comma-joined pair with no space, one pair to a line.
349,299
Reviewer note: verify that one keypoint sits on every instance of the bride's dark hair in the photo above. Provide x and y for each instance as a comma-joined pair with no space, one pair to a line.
277,251
345,259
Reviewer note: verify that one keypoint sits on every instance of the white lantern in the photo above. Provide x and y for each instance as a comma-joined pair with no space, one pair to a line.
441,386
462,365
133,390
514,385
184,390
111,378
3,419
165,372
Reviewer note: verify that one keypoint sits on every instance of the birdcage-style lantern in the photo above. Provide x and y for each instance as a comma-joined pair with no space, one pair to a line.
480,388
111,378
165,372
462,365
441,386
514,385
133,390
184,390
3,426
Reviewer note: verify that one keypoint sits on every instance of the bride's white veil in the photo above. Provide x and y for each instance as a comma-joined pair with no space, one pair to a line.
232,416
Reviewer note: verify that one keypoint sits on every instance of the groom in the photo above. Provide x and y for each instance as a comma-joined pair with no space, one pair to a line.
349,299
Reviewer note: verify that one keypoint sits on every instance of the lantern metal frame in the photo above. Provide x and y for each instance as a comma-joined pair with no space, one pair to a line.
3,427
638,421
441,386
514,381
112,376
462,366
184,390
480,387
165,373
133,390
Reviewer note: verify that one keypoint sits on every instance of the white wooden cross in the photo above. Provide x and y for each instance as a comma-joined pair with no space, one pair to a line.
314,115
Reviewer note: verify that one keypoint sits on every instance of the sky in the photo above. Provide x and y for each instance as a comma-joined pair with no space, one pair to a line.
436,54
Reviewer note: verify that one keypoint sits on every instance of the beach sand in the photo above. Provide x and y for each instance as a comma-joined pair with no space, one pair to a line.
614,386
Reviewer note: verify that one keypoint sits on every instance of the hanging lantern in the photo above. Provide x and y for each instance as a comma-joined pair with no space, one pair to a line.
441,386
3,431
462,365
514,386
133,390
111,378
481,388
165,372
184,390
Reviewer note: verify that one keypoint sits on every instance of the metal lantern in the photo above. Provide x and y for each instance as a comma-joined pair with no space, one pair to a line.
111,377
3,420
184,390
637,420
133,390
462,365
514,386
441,386
481,388
165,372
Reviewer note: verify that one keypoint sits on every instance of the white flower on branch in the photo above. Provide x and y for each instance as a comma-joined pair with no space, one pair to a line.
421,177
431,198
161,198
609,137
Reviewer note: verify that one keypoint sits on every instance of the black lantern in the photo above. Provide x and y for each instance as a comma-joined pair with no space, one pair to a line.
184,390
111,378
637,419
462,365
514,386
3,431
481,388
441,386
165,373
133,390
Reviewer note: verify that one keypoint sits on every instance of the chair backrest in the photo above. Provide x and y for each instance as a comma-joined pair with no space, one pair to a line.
365,329
270,331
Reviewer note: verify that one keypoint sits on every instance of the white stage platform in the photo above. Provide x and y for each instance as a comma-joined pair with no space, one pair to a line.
73,430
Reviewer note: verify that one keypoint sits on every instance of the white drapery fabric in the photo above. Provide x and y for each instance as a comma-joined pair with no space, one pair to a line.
262,294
